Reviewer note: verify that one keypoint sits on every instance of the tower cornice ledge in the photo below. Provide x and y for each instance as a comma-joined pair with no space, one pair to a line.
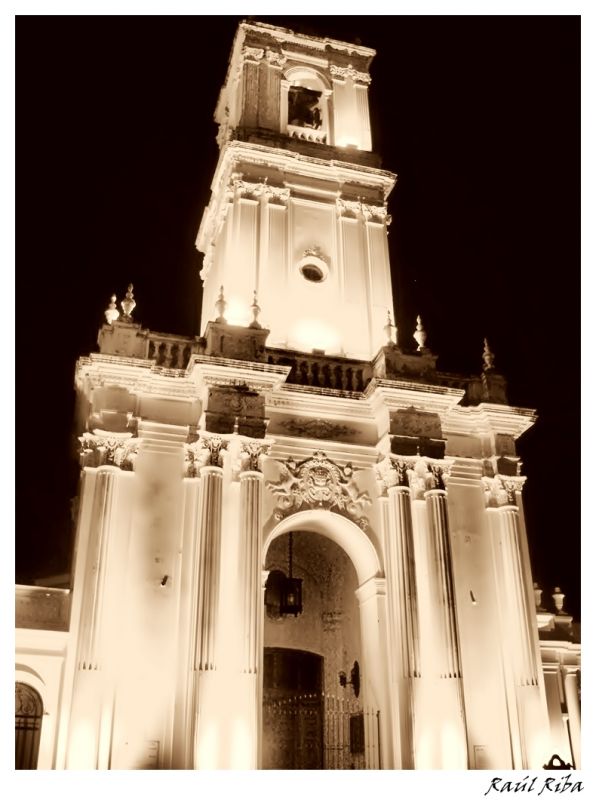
490,418
272,32
255,375
137,375
397,395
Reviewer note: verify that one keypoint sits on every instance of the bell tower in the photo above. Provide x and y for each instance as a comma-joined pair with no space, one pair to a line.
298,210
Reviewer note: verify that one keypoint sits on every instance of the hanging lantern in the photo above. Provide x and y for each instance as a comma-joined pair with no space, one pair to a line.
291,589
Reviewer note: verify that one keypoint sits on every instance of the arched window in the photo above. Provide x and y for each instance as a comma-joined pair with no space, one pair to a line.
305,111
27,724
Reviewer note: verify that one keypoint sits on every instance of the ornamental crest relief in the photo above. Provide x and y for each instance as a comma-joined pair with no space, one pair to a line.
318,482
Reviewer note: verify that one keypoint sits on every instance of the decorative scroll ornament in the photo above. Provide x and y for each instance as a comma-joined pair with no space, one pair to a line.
349,72
27,701
501,490
417,473
318,482
99,450
206,452
316,428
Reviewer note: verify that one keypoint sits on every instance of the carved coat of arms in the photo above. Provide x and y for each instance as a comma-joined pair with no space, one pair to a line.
318,482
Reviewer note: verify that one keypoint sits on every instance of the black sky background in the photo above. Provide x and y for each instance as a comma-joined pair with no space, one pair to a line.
479,116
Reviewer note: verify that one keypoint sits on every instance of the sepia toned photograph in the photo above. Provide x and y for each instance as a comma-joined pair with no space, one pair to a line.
298,393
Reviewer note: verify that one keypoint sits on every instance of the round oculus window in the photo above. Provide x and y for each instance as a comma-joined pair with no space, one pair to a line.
312,273
313,269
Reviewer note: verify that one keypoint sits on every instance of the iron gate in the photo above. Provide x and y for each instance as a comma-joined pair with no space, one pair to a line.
320,731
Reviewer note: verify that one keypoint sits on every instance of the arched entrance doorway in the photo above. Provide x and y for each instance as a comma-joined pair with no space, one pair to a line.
325,697
28,717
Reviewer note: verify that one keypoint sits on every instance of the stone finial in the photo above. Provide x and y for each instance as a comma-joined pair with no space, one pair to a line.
558,598
220,306
537,596
111,311
390,330
129,303
488,356
255,312
420,334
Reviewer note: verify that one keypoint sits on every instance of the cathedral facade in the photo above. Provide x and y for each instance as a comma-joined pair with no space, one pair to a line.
299,544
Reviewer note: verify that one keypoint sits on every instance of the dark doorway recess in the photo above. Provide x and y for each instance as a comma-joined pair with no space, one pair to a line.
292,709
28,714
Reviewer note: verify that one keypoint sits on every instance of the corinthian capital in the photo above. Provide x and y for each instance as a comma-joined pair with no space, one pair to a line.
248,189
207,451
252,453
376,214
117,450
254,54
349,72
276,194
501,490
276,59
348,208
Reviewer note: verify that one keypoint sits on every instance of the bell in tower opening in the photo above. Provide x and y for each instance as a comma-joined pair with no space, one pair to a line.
303,107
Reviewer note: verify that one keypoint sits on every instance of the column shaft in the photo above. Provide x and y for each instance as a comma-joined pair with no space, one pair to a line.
210,511
401,578
444,706
84,729
574,715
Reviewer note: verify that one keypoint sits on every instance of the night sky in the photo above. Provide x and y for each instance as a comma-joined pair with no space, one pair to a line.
479,116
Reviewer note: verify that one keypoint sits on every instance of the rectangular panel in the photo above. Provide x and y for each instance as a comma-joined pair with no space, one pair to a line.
353,261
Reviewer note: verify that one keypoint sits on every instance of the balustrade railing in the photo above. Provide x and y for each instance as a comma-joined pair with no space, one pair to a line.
323,371
170,351
307,134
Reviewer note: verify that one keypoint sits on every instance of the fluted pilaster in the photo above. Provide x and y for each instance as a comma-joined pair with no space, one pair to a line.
574,715
441,579
520,634
209,563
399,563
251,502
86,711
400,567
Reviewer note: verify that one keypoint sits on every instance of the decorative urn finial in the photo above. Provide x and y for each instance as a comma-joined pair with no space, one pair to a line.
129,303
220,306
390,330
488,357
537,593
111,311
255,312
420,334
558,598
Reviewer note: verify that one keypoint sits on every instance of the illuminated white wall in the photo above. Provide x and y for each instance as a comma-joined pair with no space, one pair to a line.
261,245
